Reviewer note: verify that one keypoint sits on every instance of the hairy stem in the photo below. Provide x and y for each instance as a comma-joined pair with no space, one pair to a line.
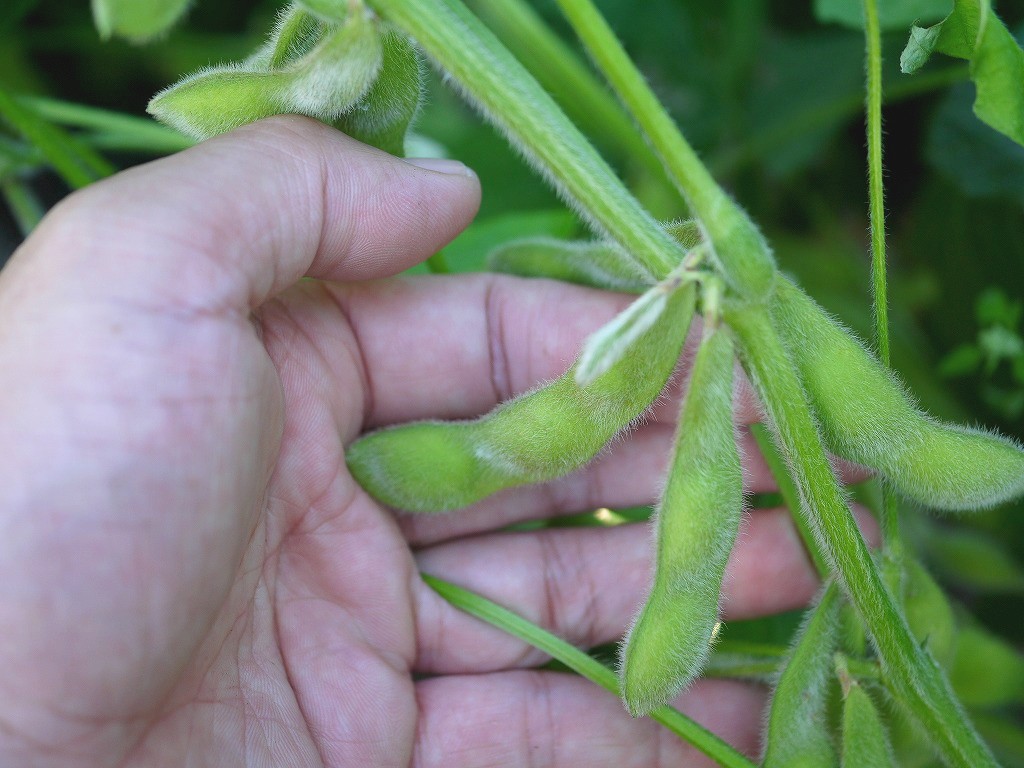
568,79
790,495
873,38
513,100
912,674
585,665
738,247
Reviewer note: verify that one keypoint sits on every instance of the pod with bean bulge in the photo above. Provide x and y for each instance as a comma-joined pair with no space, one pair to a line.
350,70
798,734
865,742
697,520
865,415
549,432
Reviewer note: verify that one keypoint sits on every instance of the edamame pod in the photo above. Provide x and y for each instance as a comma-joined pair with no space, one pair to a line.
325,83
865,744
697,521
797,720
595,264
866,415
433,466
382,117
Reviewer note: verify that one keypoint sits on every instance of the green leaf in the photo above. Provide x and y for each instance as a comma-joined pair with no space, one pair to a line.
325,83
973,32
961,361
993,307
975,560
982,162
987,671
383,115
137,20
892,14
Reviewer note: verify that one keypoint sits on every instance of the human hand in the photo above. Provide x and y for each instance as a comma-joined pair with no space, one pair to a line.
190,574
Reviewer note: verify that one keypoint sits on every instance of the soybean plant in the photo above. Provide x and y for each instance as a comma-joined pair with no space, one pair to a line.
356,64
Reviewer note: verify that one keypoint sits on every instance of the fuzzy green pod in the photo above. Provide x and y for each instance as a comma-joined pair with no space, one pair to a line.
433,466
382,117
296,32
797,720
865,743
867,416
324,83
137,20
595,264
697,521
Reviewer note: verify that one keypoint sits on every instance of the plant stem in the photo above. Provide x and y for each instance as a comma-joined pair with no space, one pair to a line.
914,677
558,68
738,247
873,38
790,495
509,96
77,165
585,665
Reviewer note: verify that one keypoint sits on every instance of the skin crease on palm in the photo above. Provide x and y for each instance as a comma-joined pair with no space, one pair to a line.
190,575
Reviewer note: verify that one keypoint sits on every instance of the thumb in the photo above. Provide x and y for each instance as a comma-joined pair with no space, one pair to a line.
237,219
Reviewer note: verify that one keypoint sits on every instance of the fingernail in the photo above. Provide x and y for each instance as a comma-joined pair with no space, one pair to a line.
440,165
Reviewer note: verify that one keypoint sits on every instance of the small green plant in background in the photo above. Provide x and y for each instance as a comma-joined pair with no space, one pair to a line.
356,65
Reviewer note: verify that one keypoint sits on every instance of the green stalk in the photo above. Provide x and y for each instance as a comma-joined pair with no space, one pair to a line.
558,68
790,495
113,129
873,37
585,665
78,165
911,673
740,250
510,98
